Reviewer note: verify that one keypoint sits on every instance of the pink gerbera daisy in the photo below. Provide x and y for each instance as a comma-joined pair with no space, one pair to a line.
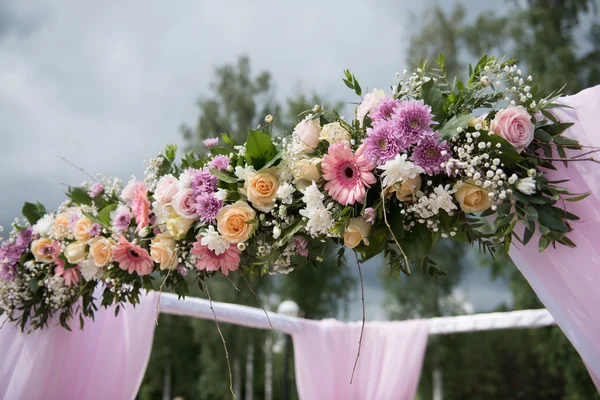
209,261
70,275
131,257
347,174
140,206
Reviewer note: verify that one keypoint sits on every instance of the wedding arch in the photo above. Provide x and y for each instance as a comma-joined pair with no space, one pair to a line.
490,161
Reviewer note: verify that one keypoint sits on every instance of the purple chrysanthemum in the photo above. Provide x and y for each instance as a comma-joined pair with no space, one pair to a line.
96,189
182,270
384,111
207,206
429,154
301,245
219,162
370,214
412,120
11,252
122,220
203,181
381,144
95,230
210,142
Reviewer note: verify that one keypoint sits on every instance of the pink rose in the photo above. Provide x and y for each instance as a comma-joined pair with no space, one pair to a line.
371,101
514,124
127,193
184,205
166,188
306,135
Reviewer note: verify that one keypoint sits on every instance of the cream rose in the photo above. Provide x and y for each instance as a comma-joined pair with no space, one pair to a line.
358,229
179,227
307,169
514,124
76,252
60,227
81,231
261,188
371,101
101,251
306,135
333,133
408,188
231,221
163,251
472,198
39,248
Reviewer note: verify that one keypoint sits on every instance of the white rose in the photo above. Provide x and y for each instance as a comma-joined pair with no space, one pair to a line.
371,101
166,188
333,133
307,169
76,252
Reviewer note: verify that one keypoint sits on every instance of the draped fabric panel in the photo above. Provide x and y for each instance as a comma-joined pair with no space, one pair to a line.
106,360
389,366
567,280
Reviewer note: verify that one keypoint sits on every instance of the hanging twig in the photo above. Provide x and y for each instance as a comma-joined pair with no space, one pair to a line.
569,159
392,232
259,303
159,293
362,328
223,340
75,166
232,284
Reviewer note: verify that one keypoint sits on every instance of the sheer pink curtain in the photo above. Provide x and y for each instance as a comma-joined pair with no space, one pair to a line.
567,280
106,360
389,366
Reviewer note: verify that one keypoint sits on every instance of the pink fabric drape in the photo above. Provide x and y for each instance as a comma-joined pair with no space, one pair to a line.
567,280
106,360
389,366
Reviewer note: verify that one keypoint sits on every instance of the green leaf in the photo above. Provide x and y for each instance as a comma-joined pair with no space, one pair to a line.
273,160
578,198
104,214
259,149
543,136
417,243
223,176
433,97
170,152
80,196
376,243
396,221
557,129
220,151
33,212
449,130
543,243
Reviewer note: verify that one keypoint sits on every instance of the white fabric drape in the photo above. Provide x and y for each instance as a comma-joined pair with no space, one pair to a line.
106,360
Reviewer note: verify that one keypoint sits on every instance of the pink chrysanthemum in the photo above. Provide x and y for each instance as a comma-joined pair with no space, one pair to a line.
131,257
382,144
219,162
301,245
70,275
370,214
210,142
384,111
347,174
412,121
209,261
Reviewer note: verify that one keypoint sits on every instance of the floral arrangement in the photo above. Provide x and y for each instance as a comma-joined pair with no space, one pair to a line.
426,160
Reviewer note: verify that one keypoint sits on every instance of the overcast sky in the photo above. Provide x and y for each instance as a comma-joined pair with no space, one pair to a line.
107,84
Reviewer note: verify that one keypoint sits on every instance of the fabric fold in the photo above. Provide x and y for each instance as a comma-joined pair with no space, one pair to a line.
389,365
105,360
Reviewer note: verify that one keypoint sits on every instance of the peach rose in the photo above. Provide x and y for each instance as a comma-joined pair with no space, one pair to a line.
60,227
307,169
514,124
261,188
163,251
41,250
231,221
408,188
81,231
358,229
76,252
101,251
179,227
472,198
